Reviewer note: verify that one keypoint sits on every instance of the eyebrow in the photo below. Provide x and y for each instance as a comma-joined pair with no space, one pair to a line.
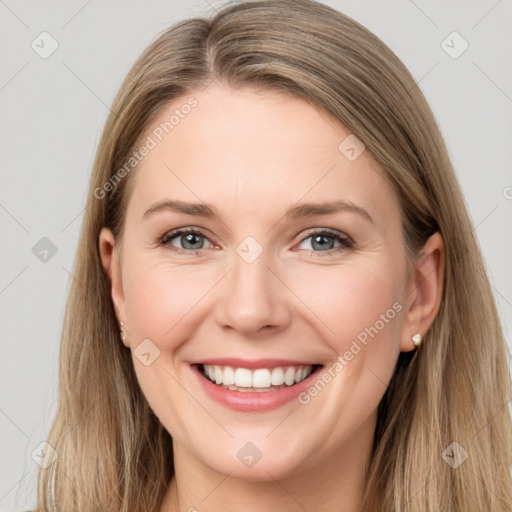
301,211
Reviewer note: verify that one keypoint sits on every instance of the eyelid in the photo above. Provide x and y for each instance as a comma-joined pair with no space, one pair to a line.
163,240
346,241
329,231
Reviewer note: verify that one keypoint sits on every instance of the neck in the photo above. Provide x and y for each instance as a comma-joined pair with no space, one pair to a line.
337,483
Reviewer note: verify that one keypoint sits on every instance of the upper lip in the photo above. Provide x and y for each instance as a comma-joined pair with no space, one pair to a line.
236,362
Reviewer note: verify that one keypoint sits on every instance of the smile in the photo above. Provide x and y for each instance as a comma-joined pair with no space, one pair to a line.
259,380
254,386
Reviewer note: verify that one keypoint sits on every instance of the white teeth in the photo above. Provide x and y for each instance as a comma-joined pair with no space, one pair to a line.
243,378
277,376
218,374
261,379
228,376
289,376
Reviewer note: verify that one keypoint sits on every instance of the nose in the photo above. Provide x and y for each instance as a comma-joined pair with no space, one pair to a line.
254,298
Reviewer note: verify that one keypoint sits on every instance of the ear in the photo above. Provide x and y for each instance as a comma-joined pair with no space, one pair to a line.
425,291
111,263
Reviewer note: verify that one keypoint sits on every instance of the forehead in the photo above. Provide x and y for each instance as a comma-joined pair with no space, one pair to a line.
250,151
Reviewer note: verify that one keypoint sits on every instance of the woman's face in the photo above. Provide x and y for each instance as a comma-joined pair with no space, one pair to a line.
271,280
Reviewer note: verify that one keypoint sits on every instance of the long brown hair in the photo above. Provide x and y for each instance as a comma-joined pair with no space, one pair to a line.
113,453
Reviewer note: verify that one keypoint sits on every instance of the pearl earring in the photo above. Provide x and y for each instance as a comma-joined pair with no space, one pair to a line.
416,339
123,334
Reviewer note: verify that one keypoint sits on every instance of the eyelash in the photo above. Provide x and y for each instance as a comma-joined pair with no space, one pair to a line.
345,241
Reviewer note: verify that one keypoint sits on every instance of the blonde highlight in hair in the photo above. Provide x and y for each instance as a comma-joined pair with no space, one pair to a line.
113,453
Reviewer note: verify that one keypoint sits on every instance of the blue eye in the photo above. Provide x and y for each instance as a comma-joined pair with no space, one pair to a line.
192,240
325,239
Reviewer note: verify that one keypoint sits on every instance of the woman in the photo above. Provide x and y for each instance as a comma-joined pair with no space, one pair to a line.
278,300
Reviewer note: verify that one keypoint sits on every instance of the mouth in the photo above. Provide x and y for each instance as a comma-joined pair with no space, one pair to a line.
257,380
254,385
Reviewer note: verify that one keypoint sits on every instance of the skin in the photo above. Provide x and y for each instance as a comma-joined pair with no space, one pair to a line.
252,155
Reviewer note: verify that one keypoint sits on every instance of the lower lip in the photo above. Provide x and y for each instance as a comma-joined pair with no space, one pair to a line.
251,401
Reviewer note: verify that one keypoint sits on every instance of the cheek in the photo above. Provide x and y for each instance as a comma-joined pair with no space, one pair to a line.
162,304
161,300
359,309
361,304
352,298
348,302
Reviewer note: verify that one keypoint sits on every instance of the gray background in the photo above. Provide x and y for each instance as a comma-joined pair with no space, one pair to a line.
53,111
